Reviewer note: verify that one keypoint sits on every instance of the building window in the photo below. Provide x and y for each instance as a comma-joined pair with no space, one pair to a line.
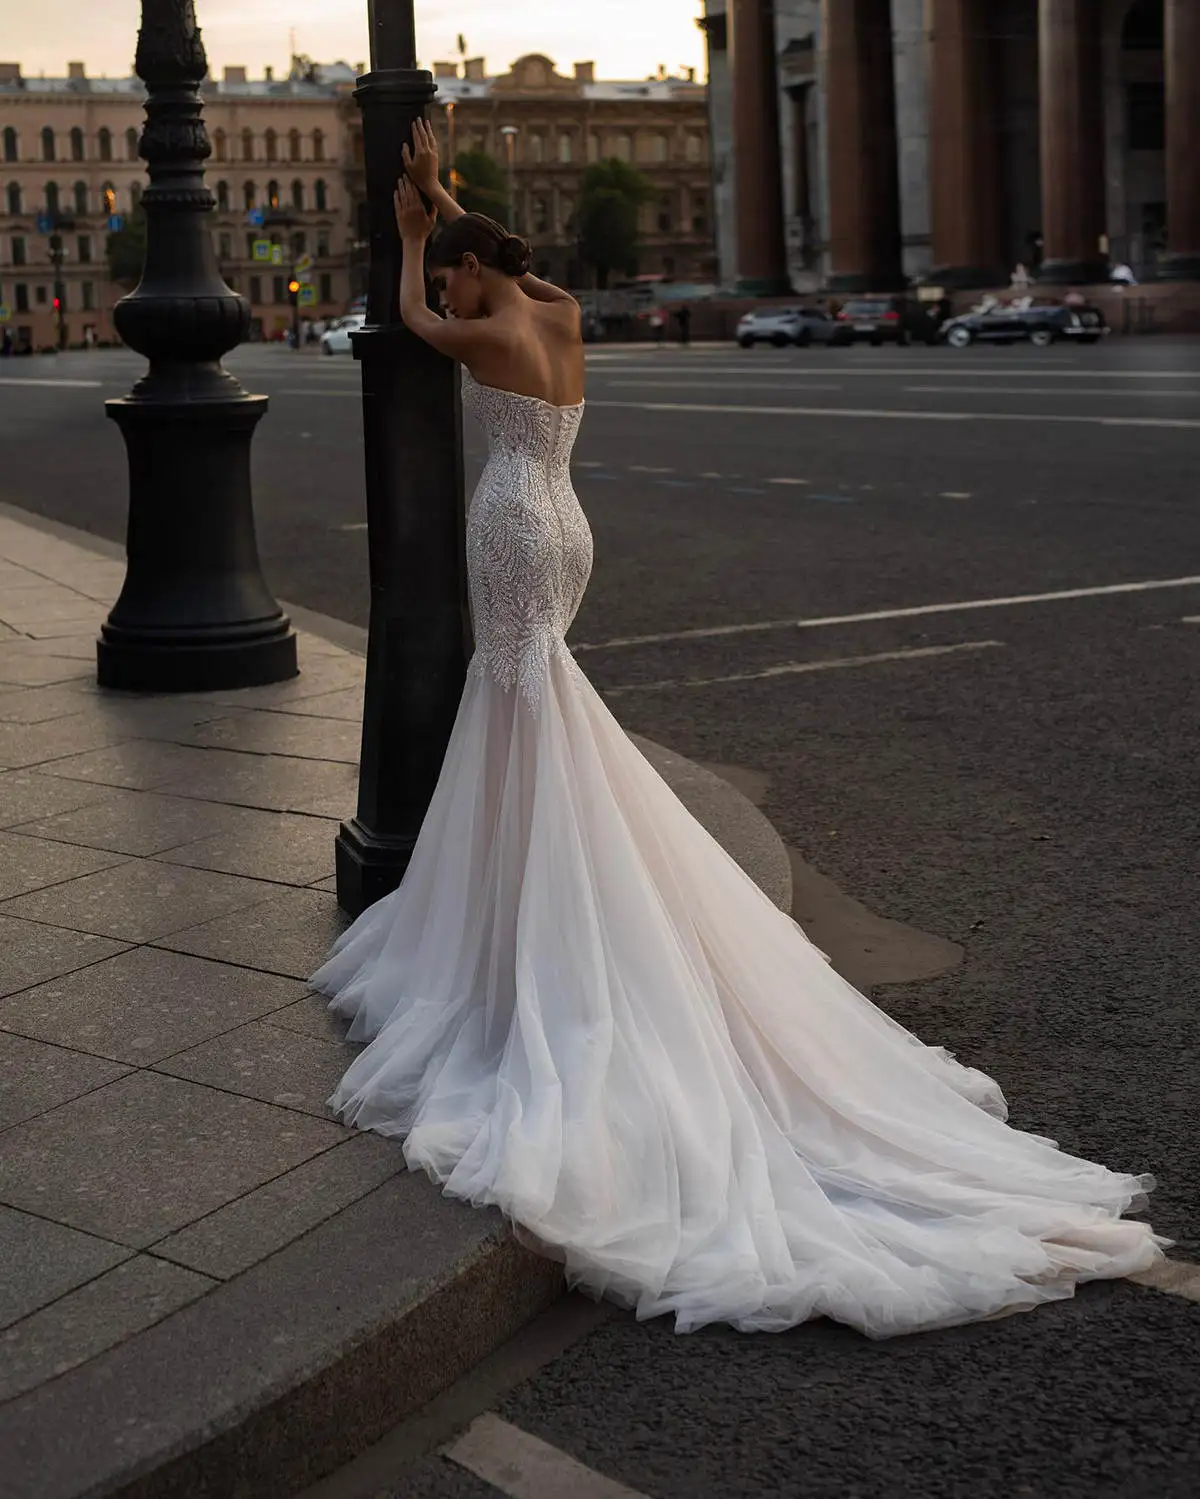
664,214
273,193
323,244
89,297
325,291
18,249
693,147
47,144
318,145
76,144
249,194
298,195
225,245
294,145
104,143
247,145
537,146
81,204
223,197
39,295
566,148
623,147
321,196
699,223
220,146
657,148
108,196
131,144
299,242
52,204
593,146
1146,116
278,290
11,146
250,238
22,293
256,289
271,144
541,215
83,248
14,197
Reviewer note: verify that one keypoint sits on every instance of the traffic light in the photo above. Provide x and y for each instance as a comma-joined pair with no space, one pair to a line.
57,304
294,292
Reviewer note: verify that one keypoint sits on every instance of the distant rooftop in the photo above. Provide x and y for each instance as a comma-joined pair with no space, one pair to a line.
306,79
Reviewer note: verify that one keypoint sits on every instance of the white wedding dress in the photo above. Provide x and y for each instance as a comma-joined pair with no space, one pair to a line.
582,1011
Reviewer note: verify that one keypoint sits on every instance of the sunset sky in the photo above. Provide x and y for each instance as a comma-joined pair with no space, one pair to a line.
630,41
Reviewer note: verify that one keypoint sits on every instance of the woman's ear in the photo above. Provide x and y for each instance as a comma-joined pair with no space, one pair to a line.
470,264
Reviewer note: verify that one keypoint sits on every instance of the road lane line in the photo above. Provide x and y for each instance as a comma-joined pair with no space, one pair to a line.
892,413
1047,390
914,612
55,384
693,384
888,371
318,390
799,668
524,1467
789,481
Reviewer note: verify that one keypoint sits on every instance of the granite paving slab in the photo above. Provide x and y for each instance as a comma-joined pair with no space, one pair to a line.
270,1063
20,667
344,703
147,1154
23,744
329,883
61,629
282,846
35,1077
310,1015
137,764
281,783
27,795
280,733
235,1237
43,704
85,1322
30,952
145,1004
28,864
139,900
135,822
291,935
43,1261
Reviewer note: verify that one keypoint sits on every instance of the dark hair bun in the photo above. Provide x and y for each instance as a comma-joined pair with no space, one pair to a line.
515,256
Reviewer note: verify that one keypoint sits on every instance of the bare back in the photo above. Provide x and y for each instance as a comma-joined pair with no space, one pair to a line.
533,349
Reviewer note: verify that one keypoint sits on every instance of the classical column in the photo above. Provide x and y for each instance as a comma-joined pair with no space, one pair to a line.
1182,59
1070,68
757,164
964,159
864,185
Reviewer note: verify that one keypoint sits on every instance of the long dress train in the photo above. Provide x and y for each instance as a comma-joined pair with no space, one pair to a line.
582,1011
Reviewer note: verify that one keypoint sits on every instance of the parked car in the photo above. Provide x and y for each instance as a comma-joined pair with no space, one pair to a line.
886,319
1041,324
782,326
336,338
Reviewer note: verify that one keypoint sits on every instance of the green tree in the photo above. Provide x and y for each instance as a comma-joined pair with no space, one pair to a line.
482,184
607,218
126,250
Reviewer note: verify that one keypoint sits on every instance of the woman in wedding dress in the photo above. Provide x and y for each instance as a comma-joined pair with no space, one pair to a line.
581,1011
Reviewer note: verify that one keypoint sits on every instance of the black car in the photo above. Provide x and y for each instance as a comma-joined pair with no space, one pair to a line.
1040,324
885,319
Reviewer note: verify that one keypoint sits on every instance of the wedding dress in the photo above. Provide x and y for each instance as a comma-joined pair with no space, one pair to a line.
581,1010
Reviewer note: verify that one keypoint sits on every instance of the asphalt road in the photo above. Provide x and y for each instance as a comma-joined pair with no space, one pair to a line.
1019,778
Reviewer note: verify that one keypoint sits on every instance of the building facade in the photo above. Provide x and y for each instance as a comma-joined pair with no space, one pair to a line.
69,156
863,144
545,128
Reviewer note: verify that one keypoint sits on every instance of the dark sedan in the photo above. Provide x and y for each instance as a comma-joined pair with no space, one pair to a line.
1040,325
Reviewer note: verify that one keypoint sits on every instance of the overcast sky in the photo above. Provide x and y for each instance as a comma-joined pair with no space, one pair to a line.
625,38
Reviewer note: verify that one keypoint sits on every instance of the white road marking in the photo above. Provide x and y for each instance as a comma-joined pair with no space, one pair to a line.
318,390
914,612
1045,390
877,370
612,384
791,481
524,1467
1190,619
797,668
891,413
648,468
57,384
955,494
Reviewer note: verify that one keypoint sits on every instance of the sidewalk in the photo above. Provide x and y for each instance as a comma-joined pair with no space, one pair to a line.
207,1284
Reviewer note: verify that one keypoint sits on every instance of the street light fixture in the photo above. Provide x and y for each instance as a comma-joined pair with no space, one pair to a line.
195,612
412,436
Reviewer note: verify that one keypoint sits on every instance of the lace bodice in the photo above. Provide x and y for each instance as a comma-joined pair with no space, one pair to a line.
529,548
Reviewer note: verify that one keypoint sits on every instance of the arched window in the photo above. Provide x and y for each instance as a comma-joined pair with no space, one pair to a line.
220,145
298,195
223,197
247,145
47,144
131,144
52,199
271,142
623,147
318,145
14,198
249,194
81,203
294,145
537,146
321,196
108,196
11,145
273,193
566,147
76,144
104,142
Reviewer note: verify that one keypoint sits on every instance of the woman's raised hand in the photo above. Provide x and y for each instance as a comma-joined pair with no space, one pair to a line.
413,219
421,158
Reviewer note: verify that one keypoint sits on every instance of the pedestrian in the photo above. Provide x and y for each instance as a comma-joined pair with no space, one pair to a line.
658,325
684,319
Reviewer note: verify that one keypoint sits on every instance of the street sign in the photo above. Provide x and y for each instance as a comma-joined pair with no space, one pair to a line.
4,314
308,296
303,266
262,249
255,217
276,254
45,224
116,222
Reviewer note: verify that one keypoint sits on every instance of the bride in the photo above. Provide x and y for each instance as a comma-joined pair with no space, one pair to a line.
582,1012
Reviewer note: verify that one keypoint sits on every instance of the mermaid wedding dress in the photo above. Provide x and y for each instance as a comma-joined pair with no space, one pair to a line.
581,1011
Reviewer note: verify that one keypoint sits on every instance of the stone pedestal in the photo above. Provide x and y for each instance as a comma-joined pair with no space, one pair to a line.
1182,59
1072,99
864,193
758,191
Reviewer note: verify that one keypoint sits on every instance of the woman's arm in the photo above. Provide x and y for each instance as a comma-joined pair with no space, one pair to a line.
542,291
421,165
458,340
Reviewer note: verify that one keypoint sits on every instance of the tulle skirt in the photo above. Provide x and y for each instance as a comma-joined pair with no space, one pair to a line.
581,1011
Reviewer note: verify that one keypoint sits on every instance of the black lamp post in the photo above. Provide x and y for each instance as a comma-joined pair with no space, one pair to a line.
195,612
412,429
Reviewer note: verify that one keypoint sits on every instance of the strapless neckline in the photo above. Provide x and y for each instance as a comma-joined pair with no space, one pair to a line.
517,395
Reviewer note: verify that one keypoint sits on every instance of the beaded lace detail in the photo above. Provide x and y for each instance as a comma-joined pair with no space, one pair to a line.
529,547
